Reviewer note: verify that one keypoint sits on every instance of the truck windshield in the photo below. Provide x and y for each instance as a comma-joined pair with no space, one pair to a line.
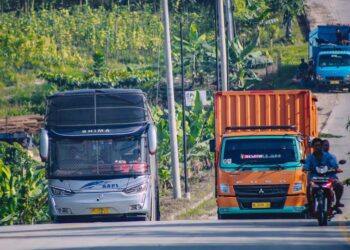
258,151
334,60
87,158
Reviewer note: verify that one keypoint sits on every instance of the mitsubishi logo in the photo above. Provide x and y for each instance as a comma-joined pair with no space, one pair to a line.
261,191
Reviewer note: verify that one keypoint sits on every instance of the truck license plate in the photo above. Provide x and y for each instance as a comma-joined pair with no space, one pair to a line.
261,204
334,82
100,210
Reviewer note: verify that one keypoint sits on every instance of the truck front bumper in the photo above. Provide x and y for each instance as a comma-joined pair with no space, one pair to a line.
293,205
334,84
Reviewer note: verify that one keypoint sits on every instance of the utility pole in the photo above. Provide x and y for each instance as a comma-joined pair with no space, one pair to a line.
229,17
187,192
223,56
218,85
171,106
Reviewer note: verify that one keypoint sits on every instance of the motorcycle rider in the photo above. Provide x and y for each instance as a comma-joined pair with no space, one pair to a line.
322,158
337,185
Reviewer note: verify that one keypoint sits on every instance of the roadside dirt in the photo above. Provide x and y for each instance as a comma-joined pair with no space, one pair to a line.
317,13
325,104
202,187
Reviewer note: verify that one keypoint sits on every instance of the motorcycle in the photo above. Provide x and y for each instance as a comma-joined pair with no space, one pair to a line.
322,204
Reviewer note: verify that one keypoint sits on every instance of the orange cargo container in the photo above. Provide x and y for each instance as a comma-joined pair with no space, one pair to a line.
260,138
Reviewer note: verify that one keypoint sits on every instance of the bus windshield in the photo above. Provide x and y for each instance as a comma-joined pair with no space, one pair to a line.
258,151
105,157
334,60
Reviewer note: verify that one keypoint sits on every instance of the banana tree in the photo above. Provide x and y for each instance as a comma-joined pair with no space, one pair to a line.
199,127
288,9
239,70
199,55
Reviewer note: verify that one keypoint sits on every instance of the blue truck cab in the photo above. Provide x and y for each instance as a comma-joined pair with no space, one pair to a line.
330,56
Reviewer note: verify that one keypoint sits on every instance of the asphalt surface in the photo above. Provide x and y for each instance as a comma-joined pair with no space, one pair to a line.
238,234
210,234
328,12
340,144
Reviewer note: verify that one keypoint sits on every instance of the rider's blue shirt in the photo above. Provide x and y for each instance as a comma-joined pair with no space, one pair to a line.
327,160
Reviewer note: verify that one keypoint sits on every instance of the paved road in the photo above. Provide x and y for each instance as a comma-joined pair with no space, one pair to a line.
239,234
328,11
336,125
211,234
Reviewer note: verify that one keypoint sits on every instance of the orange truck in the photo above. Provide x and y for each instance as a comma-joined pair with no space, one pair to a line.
260,139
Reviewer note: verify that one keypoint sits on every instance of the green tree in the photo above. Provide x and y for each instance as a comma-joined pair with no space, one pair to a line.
23,190
289,9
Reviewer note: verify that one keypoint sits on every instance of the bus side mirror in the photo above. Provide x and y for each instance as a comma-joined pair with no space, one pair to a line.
44,145
152,139
212,145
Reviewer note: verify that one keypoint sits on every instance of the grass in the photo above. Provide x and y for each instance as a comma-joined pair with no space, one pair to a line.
205,209
198,190
290,53
325,135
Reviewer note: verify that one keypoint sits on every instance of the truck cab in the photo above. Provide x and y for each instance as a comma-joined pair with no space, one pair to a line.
333,68
330,56
261,173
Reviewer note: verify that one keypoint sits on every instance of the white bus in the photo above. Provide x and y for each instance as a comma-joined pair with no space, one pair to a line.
99,147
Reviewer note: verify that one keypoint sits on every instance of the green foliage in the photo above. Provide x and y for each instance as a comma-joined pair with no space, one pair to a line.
23,190
199,57
131,78
199,130
239,64
99,64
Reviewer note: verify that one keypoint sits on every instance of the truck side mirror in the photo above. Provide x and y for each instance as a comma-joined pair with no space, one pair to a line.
44,145
152,139
212,145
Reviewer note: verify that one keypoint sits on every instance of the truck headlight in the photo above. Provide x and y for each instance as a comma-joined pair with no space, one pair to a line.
56,191
136,189
224,188
297,187
320,77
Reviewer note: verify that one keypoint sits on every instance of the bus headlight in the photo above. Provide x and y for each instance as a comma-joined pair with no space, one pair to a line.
224,188
136,189
56,191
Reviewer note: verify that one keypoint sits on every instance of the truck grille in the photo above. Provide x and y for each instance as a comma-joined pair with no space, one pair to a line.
274,194
261,191
334,78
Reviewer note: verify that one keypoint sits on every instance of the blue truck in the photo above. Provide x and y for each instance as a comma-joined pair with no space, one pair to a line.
329,51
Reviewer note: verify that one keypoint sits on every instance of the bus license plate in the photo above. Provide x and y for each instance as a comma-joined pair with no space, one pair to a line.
334,82
100,210
261,204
